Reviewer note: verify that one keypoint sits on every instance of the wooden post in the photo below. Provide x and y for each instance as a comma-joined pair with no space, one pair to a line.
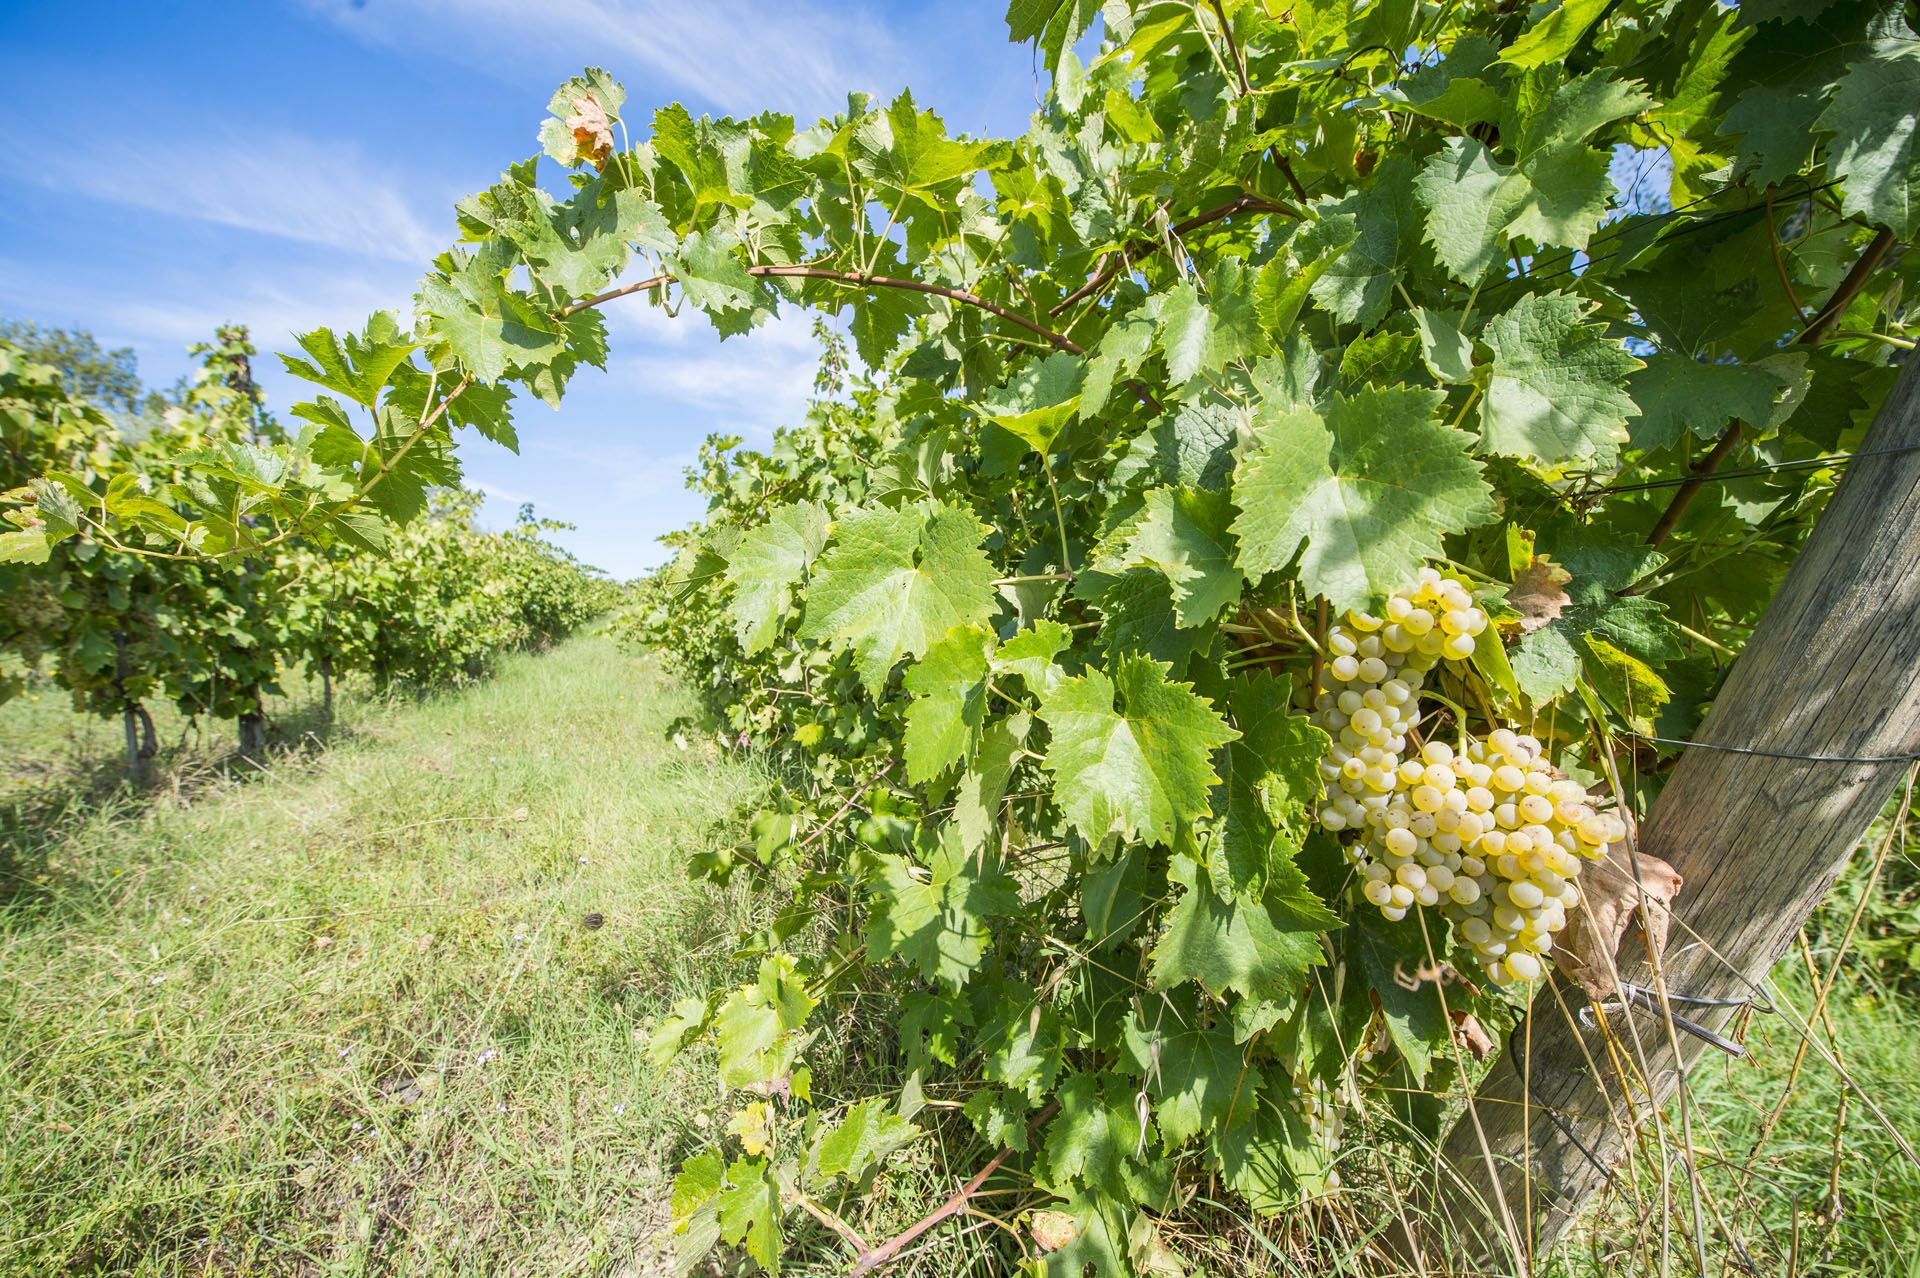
1833,669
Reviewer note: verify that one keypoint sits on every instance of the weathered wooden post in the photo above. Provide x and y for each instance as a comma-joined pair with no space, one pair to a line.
1757,829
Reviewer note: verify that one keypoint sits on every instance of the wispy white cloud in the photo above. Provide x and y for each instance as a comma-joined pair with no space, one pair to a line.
747,384
739,55
279,184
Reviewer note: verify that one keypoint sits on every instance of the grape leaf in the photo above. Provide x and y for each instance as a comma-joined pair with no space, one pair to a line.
748,1208
1193,446
1092,1140
767,564
578,129
1183,535
1876,142
1039,402
1390,957
1259,946
907,155
357,365
894,582
1554,36
863,1138
1131,751
1270,780
1471,199
949,687
938,918
1556,394
1269,1157
756,1026
1676,395
1384,224
1194,1073
1204,336
1368,486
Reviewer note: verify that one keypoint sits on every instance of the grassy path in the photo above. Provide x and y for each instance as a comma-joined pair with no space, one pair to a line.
379,1012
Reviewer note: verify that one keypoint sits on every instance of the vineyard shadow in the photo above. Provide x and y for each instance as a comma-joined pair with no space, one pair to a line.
65,769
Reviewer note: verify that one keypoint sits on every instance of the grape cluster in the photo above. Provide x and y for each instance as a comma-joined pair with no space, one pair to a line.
1492,835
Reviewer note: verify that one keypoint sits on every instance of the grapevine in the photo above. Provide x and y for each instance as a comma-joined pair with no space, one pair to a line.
1272,517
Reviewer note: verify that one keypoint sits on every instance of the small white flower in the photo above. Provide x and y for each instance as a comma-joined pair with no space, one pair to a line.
486,1056
619,1110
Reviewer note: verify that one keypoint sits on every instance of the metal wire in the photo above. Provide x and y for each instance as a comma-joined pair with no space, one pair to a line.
1780,754
1748,472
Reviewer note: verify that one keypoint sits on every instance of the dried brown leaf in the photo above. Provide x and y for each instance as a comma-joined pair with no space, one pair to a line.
1469,1033
1539,593
1610,899
592,130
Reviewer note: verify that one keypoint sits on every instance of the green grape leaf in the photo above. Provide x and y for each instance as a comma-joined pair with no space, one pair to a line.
1471,199
709,156
1097,1239
1269,1158
1677,396
930,1027
939,918
1020,1041
766,565
1556,395
1460,90
1876,139
1092,1140
1390,958
490,329
906,154
1258,946
1368,486
949,687
1553,37
1113,898
757,1025
1039,402
1383,223
1131,751
1033,655
1193,446
1270,780
976,803
1568,194
1205,335
1117,356
748,1209
862,1139
358,366
894,582
1446,351
1194,1073
1183,536
715,280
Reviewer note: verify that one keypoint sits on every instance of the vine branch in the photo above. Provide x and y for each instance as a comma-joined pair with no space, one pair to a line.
1869,261
1145,245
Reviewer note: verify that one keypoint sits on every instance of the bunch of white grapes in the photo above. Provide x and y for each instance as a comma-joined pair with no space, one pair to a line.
1492,835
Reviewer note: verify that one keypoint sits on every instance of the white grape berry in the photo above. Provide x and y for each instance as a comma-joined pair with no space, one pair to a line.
1492,835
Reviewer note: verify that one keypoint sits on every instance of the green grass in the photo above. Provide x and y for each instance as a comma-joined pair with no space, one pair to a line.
349,1016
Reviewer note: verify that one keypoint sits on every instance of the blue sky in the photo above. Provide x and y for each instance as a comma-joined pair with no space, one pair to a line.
291,163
